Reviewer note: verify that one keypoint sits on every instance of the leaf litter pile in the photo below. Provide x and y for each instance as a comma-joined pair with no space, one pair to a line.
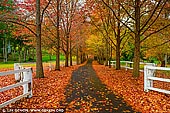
48,92
132,90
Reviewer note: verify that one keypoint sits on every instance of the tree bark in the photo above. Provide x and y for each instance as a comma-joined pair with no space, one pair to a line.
4,48
118,54
28,53
118,41
5,52
57,67
39,66
33,53
77,54
67,51
71,62
136,65
14,54
19,54
110,56
163,63
81,57
25,54
107,52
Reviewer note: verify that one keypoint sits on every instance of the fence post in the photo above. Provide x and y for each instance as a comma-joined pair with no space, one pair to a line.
112,64
148,72
145,79
17,75
151,74
28,87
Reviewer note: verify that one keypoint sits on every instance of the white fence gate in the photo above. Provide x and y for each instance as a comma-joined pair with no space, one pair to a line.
24,78
149,77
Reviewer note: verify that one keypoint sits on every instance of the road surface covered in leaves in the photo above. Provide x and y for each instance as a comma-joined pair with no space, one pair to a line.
86,93
78,90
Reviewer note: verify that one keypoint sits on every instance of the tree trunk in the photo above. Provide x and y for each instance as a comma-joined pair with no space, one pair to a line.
14,54
84,57
71,62
136,64
163,63
19,54
81,57
118,54
25,54
118,41
39,66
67,51
33,53
137,40
77,55
166,59
107,52
110,56
98,58
102,58
57,67
5,51
28,53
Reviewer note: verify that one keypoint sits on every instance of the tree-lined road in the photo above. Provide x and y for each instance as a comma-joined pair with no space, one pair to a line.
85,92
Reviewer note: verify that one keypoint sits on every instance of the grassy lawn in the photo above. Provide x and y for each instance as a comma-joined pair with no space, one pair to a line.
6,65
46,60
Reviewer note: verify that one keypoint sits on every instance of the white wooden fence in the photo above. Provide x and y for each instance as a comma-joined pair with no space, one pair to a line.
46,65
50,65
149,77
24,78
128,64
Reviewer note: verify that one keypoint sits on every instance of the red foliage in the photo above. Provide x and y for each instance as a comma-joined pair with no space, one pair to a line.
132,90
47,92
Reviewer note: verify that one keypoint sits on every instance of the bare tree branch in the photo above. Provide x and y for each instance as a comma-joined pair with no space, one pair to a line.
117,17
155,32
151,16
126,11
42,15
15,22
148,48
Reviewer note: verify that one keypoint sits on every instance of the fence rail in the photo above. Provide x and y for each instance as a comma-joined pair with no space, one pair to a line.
24,78
50,65
128,64
149,77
